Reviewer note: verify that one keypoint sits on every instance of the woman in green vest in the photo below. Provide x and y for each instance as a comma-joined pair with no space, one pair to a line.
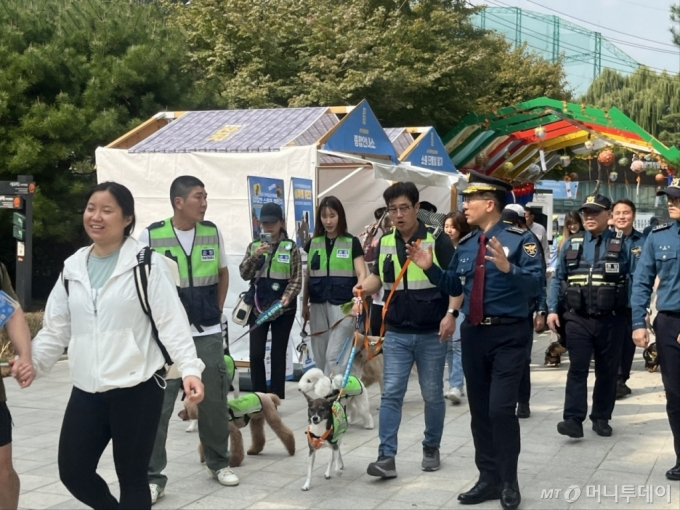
275,274
334,262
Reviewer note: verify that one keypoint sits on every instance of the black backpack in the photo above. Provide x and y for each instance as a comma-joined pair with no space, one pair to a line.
142,271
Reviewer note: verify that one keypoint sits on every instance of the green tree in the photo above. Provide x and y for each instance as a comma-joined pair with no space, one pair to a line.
416,63
76,74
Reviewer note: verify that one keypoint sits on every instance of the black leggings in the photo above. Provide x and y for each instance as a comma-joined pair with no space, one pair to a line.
127,416
280,327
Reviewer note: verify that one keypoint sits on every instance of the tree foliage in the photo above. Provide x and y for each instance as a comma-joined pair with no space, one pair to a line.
649,98
416,63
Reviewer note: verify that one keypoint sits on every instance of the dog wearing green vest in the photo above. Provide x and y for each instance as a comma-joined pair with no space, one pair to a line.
252,409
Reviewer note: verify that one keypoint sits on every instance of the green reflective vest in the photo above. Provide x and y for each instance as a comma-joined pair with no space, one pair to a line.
353,387
415,278
339,421
272,284
199,271
331,279
245,404
231,366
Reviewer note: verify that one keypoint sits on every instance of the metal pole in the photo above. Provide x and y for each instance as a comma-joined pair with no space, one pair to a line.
24,272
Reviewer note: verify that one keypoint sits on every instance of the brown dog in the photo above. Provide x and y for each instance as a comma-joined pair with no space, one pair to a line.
268,412
553,354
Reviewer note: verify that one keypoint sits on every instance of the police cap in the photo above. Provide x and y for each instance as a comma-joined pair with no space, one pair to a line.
672,190
596,203
480,183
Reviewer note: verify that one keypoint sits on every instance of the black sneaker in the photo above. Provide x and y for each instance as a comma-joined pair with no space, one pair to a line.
523,410
384,467
602,428
622,389
570,428
430,458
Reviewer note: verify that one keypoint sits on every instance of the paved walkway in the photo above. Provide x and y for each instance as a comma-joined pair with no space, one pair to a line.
552,468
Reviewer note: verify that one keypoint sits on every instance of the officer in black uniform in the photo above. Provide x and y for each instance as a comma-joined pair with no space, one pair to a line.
591,279
661,258
499,269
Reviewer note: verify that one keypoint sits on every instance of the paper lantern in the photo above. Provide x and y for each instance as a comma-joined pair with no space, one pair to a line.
540,132
613,176
624,162
637,166
574,176
588,145
660,178
508,166
564,161
606,157
481,159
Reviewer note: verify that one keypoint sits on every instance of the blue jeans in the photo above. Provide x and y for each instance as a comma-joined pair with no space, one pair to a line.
455,362
400,351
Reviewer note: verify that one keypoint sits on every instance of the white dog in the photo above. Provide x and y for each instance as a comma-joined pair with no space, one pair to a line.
315,384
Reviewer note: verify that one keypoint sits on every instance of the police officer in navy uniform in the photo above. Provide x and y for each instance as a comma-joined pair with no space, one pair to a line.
623,214
591,279
499,268
661,258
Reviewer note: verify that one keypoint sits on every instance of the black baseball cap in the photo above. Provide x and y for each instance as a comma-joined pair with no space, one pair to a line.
271,213
596,203
510,216
672,190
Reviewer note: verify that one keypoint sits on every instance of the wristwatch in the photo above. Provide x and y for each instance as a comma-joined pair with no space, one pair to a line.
541,313
453,312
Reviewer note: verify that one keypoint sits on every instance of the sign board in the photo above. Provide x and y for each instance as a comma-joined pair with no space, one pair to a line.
11,202
16,188
303,201
430,153
262,190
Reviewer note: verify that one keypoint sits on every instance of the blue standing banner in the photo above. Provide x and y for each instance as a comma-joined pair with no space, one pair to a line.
303,201
262,190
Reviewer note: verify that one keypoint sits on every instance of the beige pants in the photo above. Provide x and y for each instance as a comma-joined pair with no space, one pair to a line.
326,348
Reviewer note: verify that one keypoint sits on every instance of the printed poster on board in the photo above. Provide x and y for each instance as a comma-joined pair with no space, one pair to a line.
262,190
303,202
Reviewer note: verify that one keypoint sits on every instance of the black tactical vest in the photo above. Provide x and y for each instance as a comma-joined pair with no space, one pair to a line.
598,289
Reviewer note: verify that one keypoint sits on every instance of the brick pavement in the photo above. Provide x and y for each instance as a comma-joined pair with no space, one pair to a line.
638,454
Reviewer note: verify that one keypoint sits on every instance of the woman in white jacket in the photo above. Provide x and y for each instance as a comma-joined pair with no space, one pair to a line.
114,360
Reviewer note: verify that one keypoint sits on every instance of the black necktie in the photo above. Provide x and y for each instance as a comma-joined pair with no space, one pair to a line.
598,244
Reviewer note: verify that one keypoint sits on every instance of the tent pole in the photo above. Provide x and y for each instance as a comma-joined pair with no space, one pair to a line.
454,199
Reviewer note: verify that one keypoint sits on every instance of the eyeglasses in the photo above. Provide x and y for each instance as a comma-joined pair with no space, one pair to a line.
472,198
403,209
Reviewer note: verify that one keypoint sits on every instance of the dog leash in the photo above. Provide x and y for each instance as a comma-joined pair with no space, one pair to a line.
362,314
264,317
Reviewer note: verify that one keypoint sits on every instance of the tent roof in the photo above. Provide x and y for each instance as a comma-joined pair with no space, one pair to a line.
239,130
509,135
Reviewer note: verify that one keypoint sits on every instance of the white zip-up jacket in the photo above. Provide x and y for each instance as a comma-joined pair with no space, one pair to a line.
111,346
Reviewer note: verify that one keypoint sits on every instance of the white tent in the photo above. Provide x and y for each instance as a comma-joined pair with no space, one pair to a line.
148,164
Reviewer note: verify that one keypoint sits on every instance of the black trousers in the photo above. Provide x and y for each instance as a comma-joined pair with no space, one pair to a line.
280,328
129,417
668,349
493,360
627,349
524,393
602,336
376,319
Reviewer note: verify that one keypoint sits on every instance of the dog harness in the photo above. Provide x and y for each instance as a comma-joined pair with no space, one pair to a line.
337,428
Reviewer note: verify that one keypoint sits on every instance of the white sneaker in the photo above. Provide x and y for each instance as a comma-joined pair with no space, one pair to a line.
156,492
454,395
225,476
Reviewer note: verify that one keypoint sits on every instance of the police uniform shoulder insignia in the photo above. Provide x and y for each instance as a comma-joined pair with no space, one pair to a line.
530,249
466,237
663,226
515,230
157,224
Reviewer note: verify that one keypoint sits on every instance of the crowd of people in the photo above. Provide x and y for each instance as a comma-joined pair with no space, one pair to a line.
467,293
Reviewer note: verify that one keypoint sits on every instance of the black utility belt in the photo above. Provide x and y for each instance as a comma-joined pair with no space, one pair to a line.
599,314
495,321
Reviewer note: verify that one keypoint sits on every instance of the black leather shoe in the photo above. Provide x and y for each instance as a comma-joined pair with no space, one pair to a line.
570,428
510,497
481,492
384,467
523,410
602,428
674,472
622,390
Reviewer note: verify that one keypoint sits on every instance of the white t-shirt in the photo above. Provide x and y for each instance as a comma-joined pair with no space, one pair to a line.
186,239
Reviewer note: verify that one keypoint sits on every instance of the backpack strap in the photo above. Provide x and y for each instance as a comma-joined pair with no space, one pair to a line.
142,271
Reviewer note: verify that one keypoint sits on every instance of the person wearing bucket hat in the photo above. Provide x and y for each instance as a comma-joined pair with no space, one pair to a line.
501,269
591,280
273,266
660,259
